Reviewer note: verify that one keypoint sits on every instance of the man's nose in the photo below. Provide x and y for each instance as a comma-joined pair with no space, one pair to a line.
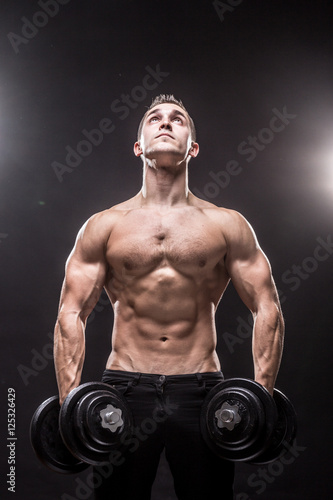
165,123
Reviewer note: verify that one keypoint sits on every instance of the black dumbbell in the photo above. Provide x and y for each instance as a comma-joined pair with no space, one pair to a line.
92,422
241,421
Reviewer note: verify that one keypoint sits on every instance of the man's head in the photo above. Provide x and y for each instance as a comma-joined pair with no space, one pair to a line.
166,132
170,99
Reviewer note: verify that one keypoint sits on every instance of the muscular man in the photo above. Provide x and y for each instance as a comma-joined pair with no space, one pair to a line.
165,257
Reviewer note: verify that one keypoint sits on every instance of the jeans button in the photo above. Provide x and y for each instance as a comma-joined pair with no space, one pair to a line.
162,378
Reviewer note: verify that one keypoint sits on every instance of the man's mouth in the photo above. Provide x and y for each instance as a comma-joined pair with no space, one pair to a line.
164,135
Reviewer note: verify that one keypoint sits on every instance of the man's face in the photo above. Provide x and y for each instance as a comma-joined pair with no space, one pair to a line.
165,132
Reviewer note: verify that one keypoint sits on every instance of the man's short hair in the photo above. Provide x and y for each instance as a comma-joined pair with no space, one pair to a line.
169,99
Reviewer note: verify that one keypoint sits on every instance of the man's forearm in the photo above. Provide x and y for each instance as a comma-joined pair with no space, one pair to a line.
268,335
69,352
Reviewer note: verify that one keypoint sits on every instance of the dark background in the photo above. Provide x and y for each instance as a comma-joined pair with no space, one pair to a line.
232,66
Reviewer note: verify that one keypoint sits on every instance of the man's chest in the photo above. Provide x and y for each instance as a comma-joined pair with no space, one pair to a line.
185,240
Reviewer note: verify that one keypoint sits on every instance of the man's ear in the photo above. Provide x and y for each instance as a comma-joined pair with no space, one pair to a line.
137,149
194,149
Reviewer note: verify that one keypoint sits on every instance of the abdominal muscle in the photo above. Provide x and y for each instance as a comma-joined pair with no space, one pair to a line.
163,323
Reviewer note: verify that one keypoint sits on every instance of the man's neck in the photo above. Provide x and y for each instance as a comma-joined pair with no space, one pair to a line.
165,186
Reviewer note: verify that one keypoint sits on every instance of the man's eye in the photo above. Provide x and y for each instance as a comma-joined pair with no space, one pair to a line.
153,118
177,119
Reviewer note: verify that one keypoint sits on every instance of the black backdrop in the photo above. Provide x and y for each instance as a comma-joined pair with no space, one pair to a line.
257,78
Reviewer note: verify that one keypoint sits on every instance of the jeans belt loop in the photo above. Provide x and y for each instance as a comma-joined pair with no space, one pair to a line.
136,379
201,380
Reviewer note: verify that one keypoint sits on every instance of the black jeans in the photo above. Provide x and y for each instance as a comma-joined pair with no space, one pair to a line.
166,412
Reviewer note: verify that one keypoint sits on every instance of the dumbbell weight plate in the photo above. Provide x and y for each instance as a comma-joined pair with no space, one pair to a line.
255,418
47,442
284,433
88,420
81,422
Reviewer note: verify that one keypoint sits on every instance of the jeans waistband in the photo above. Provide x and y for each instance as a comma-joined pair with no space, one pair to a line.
153,378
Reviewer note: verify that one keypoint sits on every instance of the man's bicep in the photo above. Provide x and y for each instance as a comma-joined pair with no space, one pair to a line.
84,278
253,281
82,286
248,266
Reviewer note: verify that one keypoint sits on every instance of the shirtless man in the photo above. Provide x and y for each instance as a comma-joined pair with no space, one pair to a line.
165,257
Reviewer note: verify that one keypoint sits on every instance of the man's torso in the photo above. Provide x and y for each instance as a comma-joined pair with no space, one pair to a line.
166,275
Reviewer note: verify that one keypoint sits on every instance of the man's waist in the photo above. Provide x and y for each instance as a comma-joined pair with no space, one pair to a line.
110,375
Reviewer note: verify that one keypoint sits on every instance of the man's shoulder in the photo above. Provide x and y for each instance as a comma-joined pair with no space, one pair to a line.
98,226
221,215
105,219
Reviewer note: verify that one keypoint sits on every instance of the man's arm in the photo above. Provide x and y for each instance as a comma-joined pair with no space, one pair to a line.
85,274
251,275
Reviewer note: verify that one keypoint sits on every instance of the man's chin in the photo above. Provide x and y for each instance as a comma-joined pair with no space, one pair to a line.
164,151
